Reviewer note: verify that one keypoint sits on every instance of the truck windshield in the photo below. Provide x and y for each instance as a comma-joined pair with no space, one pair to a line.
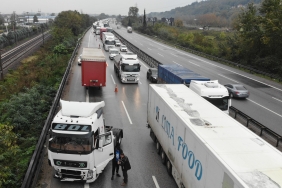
110,42
113,52
130,68
221,103
71,143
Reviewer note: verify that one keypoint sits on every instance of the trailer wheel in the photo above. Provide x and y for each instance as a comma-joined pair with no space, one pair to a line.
163,156
168,167
158,147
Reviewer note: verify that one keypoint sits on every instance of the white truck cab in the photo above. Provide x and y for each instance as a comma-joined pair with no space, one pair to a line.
213,92
127,67
80,145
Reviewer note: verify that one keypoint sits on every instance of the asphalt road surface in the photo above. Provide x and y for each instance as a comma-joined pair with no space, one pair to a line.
126,109
265,101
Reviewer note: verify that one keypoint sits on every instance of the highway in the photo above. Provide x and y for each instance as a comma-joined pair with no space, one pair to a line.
125,109
265,101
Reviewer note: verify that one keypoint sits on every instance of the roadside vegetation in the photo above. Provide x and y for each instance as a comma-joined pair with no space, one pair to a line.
255,40
26,95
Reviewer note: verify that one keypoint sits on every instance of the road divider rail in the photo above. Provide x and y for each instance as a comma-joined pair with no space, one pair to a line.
264,132
35,163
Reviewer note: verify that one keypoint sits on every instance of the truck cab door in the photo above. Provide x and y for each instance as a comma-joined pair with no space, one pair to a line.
104,151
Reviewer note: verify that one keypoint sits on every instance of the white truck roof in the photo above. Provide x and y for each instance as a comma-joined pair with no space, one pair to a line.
210,89
244,154
92,54
129,56
81,109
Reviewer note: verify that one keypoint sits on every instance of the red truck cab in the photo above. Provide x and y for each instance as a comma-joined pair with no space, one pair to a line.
93,67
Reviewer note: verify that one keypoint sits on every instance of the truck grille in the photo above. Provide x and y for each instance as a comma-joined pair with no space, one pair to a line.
70,172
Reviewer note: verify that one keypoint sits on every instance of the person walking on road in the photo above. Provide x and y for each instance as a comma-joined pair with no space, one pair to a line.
125,166
115,165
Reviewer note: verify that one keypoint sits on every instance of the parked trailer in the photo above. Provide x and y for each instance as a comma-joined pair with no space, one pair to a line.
175,74
204,147
102,30
93,68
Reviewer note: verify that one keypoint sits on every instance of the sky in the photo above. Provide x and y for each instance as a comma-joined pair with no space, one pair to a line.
110,7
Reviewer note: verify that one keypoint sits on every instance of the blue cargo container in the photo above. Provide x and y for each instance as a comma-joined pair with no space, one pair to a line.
175,74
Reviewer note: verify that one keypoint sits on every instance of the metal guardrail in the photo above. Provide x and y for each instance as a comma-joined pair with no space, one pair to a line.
35,163
152,62
244,118
255,126
217,59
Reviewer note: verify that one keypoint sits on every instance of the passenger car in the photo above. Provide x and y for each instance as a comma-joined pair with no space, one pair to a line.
237,90
79,60
123,48
118,43
112,53
152,75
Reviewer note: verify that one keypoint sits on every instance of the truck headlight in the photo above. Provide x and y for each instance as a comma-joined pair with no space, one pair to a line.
90,174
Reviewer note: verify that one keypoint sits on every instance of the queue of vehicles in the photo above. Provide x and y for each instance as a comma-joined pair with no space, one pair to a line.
181,124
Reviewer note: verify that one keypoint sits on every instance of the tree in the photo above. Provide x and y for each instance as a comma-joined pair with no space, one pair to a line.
129,22
35,19
133,11
178,23
1,19
144,20
52,14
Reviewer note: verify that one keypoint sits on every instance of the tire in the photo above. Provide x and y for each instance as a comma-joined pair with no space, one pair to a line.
163,156
169,167
119,139
231,95
158,146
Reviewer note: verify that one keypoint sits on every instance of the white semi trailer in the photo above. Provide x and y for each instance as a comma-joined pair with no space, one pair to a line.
203,147
80,145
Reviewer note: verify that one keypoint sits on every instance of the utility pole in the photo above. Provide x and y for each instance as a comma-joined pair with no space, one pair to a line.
1,66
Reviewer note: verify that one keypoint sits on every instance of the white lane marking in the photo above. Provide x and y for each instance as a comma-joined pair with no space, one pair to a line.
277,99
126,112
228,78
193,63
144,65
149,48
174,55
265,107
89,40
160,54
215,65
155,181
113,80
87,95
176,63
86,185
140,82
141,44
160,49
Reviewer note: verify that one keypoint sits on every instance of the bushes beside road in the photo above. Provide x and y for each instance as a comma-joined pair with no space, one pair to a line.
26,95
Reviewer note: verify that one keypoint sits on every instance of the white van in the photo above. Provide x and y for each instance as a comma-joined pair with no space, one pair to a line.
112,53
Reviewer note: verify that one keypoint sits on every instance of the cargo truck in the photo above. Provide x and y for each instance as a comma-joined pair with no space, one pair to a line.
127,67
213,92
80,144
102,30
108,40
175,74
93,68
203,147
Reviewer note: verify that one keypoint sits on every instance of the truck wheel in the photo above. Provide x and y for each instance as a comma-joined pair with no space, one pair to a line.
168,167
158,147
163,156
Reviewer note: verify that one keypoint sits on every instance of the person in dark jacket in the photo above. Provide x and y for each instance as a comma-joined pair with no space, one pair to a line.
115,166
125,166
